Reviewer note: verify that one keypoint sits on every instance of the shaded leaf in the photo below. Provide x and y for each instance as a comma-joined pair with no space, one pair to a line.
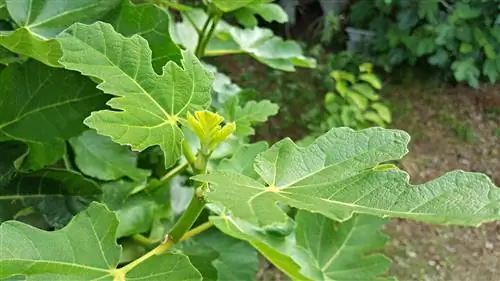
152,23
135,210
148,106
335,177
260,43
43,107
99,157
56,193
85,249
40,21
217,256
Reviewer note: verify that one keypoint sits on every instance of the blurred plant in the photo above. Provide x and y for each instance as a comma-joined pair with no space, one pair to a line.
459,37
355,102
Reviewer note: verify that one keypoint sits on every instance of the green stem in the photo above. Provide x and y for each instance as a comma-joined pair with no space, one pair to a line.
177,170
187,219
208,36
142,240
201,37
162,248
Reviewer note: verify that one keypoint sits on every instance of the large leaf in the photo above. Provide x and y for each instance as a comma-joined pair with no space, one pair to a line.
337,176
58,194
153,24
217,255
253,112
99,157
43,106
319,248
260,43
84,250
148,106
40,21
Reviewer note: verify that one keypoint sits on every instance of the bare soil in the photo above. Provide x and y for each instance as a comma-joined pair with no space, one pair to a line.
437,120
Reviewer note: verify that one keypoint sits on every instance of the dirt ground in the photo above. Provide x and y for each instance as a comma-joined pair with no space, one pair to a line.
452,127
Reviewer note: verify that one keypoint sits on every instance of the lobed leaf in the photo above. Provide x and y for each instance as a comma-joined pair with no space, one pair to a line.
245,117
148,106
83,250
335,176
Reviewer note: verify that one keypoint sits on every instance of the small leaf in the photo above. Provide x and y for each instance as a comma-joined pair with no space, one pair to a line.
85,249
334,177
99,157
359,100
491,68
372,79
149,105
374,118
383,111
43,107
252,113
38,23
466,70
366,90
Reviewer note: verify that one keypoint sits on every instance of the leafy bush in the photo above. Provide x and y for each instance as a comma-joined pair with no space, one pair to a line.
461,37
355,102
98,86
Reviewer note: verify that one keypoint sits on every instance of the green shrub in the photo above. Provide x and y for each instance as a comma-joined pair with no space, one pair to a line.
460,37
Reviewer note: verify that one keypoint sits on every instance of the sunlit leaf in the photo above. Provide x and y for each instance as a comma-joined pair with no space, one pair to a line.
83,250
335,177
148,106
